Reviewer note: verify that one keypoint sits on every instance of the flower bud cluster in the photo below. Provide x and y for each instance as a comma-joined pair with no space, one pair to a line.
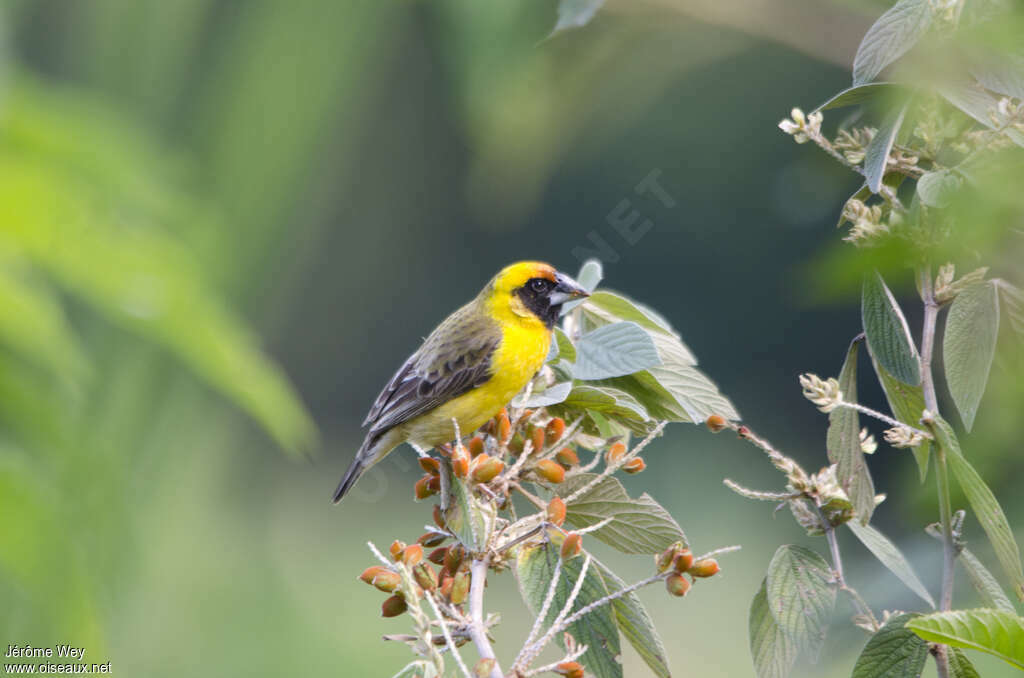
823,393
802,127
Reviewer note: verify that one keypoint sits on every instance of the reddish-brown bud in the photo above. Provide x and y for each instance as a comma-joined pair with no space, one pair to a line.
705,568
393,606
554,430
488,468
743,432
515,445
446,586
550,470
683,561
567,457
422,487
572,546
444,450
634,465
460,588
453,559
570,669
431,539
504,427
677,584
483,668
434,484
412,554
475,446
430,465
537,438
438,517
556,511
425,576
397,547
371,572
438,555
460,465
663,560
716,423
615,452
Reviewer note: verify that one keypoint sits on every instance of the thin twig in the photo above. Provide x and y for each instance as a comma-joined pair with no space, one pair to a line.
448,636
572,656
611,468
477,628
883,417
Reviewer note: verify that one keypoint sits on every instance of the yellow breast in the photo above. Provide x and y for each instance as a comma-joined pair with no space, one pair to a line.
522,351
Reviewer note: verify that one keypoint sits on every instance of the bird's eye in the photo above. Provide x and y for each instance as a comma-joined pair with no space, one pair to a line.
539,284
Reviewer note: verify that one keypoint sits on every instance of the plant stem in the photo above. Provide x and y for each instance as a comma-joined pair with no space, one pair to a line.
837,567
931,313
477,629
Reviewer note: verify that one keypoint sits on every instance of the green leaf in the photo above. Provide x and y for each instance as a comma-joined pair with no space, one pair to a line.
590,275
800,595
463,515
1002,73
960,666
907,404
936,188
986,508
843,442
891,36
978,104
859,94
420,668
1013,300
876,155
620,306
566,351
887,331
890,556
605,399
893,652
552,395
969,345
613,351
984,582
575,13
772,650
635,624
640,525
535,567
998,633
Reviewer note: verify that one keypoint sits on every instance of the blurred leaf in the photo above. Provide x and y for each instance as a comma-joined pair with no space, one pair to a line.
887,331
800,595
640,525
635,624
978,104
843,442
1013,301
575,13
876,155
986,507
1002,73
420,668
33,325
998,633
535,568
890,556
936,188
891,36
907,404
614,350
859,94
984,582
960,666
772,650
969,345
893,652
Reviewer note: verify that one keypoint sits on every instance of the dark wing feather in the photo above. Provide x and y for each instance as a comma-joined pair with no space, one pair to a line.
454,359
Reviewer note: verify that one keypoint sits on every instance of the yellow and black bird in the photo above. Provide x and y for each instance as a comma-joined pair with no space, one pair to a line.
470,366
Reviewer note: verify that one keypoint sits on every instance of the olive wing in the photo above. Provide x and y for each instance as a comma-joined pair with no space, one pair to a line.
454,359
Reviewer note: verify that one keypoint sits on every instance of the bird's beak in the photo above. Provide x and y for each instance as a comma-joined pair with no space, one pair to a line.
565,289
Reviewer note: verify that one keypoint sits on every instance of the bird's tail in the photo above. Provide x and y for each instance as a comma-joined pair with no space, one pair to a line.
370,452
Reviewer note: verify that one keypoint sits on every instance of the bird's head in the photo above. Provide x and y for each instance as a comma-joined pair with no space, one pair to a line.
533,290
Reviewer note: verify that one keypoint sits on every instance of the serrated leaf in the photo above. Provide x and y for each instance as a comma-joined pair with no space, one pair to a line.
575,13
960,666
800,595
635,624
890,556
859,94
998,633
887,332
984,582
985,505
890,37
613,351
978,104
535,567
907,404
843,443
969,345
771,650
876,154
624,308
605,399
936,188
552,395
893,652
640,525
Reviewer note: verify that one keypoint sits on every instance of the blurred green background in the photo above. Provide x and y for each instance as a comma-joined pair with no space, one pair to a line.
223,224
